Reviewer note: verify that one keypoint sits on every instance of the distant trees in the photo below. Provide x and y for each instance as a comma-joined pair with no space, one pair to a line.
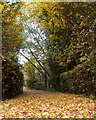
29,71
35,46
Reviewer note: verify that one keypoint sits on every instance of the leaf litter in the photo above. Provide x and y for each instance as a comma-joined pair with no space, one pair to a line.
43,104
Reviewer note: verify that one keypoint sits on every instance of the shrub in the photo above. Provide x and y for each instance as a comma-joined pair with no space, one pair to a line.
81,79
12,79
84,81
85,76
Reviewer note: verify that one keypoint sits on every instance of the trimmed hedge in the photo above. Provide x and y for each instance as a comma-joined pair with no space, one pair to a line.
12,79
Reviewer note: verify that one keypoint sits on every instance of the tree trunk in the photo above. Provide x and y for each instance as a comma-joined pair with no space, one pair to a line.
45,80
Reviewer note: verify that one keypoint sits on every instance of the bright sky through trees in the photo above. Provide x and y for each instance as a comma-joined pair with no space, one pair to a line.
30,38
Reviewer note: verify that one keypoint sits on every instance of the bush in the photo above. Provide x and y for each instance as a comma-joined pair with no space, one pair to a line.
81,79
84,81
85,76
12,79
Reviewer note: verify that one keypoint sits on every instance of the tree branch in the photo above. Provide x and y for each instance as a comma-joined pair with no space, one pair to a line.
32,64
39,62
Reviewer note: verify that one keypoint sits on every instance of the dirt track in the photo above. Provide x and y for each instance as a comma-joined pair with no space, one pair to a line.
25,90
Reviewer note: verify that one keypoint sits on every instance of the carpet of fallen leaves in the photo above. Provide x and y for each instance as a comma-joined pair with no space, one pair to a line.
43,104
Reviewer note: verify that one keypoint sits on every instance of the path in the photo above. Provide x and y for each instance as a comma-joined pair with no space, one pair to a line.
25,90
43,104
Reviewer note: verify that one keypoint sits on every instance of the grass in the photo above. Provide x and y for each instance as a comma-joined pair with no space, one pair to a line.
51,90
29,88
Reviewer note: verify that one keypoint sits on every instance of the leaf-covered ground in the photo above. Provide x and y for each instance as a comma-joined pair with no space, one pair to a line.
43,104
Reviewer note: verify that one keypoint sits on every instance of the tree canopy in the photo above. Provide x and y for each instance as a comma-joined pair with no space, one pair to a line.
11,28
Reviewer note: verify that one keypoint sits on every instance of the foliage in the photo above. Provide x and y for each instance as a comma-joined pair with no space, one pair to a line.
92,96
86,81
12,39
70,27
29,71
44,104
51,90
29,83
66,81
62,40
12,79
35,47
82,77
11,28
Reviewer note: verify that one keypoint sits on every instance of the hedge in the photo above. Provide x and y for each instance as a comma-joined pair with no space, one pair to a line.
81,79
12,79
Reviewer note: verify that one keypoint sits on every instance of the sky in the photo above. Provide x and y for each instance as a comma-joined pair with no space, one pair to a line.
30,38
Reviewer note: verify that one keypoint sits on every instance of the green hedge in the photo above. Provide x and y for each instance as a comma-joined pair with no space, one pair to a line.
81,79
12,79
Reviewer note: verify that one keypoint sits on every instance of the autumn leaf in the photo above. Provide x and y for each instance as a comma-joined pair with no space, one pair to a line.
47,105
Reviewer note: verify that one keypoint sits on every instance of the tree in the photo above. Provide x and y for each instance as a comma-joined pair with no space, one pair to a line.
35,46
11,28
29,71
70,28
62,38
12,77
68,25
